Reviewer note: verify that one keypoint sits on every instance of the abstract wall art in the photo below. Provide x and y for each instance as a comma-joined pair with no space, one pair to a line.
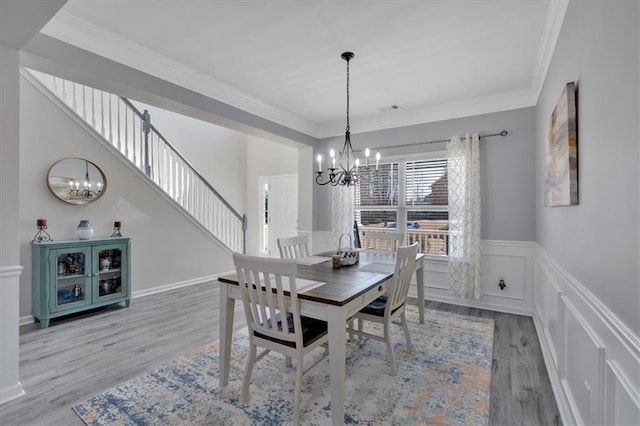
561,154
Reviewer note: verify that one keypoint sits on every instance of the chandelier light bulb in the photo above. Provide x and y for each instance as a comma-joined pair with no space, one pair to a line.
319,158
377,159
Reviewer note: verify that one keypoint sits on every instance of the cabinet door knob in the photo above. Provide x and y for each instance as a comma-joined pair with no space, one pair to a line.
95,274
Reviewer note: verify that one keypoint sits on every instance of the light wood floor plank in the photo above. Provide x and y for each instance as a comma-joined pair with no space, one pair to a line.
76,358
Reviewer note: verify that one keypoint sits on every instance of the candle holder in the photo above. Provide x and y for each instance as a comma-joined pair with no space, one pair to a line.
117,225
42,235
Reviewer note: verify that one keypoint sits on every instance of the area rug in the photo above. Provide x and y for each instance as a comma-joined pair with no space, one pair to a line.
445,380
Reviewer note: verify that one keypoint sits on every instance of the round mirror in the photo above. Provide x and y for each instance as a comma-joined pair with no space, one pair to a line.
76,181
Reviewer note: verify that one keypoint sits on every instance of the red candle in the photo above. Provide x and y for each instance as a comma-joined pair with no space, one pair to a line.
117,224
41,222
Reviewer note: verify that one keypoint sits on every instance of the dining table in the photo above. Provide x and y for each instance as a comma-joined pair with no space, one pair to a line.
331,295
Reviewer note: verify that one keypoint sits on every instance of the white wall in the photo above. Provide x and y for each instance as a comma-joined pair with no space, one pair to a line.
264,158
587,279
167,249
10,268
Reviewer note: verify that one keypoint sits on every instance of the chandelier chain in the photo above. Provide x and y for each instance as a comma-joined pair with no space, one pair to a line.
347,128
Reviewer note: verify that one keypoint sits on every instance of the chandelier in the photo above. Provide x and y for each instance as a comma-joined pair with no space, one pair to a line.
349,171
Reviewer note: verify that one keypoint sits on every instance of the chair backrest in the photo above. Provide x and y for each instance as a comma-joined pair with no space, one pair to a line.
382,240
294,247
399,286
263,282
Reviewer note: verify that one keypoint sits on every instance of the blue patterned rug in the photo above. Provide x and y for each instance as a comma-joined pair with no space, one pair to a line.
445,380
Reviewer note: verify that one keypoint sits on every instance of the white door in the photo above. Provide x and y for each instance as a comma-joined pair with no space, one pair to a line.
279,205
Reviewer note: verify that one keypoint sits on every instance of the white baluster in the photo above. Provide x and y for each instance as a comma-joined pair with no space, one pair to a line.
110,120
93,108
74,103
134,121
84,104
118,119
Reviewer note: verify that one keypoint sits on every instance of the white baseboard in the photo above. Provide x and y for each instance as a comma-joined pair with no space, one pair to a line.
28,319
176,285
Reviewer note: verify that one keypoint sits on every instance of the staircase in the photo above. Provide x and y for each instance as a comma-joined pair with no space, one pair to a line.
136,141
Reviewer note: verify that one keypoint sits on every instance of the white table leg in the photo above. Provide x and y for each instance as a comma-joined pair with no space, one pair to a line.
420,282
227,307
337,356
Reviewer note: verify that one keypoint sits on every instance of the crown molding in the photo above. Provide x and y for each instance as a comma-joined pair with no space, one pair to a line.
85,35
551,31
453,110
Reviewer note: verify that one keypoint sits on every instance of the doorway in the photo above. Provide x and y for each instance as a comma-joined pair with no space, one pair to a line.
279,211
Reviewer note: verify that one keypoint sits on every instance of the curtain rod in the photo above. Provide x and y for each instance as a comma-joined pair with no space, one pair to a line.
502,133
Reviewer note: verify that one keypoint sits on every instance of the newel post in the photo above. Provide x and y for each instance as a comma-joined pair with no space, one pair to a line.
146,128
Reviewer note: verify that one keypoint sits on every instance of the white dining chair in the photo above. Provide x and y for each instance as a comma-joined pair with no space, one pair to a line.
381,240
390,306
294,247
274,321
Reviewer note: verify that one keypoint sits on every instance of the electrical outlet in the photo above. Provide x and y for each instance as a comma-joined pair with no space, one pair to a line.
501,283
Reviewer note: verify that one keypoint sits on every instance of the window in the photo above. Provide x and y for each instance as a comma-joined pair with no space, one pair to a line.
406,196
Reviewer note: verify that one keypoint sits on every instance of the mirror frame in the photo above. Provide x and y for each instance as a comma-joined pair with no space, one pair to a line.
61,186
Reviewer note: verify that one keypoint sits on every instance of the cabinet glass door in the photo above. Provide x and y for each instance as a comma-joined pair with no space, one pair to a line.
110,272
71,277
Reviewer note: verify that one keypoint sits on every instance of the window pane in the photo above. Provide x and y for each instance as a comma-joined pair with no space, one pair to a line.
427,183
427,190
374,220
430,229
378,205
379,188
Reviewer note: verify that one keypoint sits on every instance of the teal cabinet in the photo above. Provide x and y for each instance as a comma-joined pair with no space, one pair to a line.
73,276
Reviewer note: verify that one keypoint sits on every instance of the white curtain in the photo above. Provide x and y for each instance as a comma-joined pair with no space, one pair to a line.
342,215
463,171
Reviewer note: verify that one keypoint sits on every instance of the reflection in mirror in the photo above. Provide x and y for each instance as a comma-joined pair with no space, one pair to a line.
76,181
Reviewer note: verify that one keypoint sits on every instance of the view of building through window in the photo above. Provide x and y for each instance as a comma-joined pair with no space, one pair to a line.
408,197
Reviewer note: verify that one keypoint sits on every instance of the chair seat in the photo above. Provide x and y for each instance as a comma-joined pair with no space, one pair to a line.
312,330
376,308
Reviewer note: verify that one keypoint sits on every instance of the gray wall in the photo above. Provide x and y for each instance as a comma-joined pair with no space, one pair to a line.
597,240
507,167
166,248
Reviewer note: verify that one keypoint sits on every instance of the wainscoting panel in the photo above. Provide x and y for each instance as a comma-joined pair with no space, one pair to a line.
583,381
509,261
555,322
592,357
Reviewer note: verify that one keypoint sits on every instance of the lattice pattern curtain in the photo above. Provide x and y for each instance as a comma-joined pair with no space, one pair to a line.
342,214
463,174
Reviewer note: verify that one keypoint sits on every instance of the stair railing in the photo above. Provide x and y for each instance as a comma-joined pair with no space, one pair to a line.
131,133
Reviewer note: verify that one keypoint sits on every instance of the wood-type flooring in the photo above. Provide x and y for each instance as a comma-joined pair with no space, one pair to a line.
78,357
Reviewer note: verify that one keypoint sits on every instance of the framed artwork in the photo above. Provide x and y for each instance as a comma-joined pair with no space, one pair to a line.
561,154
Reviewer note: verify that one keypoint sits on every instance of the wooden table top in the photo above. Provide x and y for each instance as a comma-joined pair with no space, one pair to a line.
344,284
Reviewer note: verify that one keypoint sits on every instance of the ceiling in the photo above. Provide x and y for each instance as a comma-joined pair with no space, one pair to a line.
281,59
